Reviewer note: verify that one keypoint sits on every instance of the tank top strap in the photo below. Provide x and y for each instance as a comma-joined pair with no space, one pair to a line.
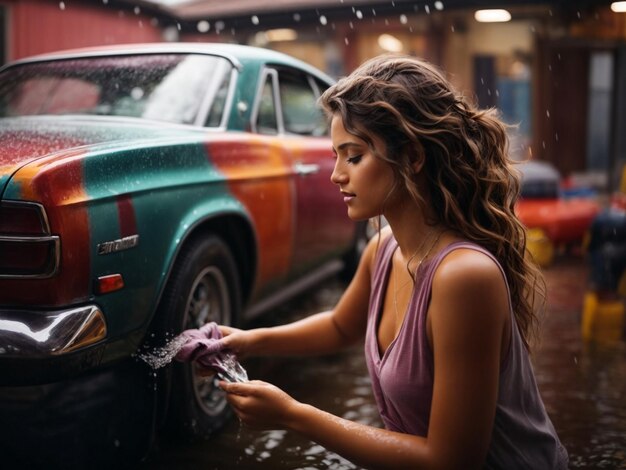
438,258
383,257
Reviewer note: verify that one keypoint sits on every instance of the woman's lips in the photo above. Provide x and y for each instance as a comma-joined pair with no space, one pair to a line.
347,197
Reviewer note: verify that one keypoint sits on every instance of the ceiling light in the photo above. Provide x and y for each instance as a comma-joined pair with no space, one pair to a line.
281,34
390,43
492,16
618,7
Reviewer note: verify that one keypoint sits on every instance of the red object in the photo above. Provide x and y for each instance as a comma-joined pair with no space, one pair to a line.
110,283
563,220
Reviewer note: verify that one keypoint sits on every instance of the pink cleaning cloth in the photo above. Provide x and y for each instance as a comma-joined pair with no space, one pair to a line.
205,346
202,345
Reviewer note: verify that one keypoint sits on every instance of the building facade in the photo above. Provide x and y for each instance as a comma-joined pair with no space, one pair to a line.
555,69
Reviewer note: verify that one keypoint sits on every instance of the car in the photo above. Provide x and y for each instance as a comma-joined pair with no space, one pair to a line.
148,189
551,219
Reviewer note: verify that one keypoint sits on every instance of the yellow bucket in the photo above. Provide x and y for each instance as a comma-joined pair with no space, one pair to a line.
540,247
602,320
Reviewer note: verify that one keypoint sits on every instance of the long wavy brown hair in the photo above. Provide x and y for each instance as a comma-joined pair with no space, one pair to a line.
472,182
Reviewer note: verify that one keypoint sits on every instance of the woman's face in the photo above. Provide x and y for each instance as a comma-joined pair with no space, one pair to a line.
365,181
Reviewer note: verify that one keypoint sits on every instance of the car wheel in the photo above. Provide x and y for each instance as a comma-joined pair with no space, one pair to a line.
204,287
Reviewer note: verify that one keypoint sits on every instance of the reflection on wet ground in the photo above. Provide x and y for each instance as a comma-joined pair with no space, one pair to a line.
583,386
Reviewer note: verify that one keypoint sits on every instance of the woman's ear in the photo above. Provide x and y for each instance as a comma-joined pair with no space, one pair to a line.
417,165
417,160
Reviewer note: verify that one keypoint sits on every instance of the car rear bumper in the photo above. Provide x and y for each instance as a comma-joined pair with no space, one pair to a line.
39,347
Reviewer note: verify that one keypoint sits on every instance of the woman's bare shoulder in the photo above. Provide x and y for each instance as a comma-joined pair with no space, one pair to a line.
470,274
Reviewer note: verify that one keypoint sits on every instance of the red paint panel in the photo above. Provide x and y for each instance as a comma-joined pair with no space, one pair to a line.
57,183
21,147
126,215
260,180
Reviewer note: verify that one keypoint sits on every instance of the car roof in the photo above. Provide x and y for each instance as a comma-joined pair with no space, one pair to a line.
235,53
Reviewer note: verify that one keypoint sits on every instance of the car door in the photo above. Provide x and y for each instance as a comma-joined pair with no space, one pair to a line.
288,107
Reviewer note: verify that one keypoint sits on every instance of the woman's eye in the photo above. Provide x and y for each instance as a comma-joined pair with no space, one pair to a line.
355,159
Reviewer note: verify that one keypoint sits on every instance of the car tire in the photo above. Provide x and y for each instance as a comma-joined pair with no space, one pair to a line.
203,287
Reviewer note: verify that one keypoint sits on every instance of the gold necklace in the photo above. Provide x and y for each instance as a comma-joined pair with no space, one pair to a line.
395,288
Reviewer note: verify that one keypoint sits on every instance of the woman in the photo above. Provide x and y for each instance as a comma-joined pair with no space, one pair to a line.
444,297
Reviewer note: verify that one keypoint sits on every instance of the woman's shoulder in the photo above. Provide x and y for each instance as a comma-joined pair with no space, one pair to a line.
468,268
469,289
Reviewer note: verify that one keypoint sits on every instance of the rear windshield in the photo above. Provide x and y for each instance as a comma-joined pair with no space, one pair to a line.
177,88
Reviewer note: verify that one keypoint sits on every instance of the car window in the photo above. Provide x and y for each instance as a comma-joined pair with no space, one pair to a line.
301,114
177,88
216,102
266,122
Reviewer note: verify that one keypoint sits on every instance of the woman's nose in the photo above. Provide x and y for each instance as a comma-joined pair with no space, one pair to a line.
338,176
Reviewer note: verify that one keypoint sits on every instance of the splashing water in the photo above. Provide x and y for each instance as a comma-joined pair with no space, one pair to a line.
225,363
228,368
160,357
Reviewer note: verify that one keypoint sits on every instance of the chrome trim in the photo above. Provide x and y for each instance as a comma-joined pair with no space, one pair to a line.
44,238
309,280
32,334
230,99
36,239
208,99
254,114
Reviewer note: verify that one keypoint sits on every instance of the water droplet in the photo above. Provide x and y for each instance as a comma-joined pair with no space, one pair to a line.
346,41
323,20
427,8
358,14
203,26
548,112
254,19
439,6
61,5
403,19
297,17
137,10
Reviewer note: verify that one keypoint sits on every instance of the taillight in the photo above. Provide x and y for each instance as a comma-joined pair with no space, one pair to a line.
27,248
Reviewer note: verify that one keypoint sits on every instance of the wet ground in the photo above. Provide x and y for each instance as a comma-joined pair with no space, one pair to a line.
583,386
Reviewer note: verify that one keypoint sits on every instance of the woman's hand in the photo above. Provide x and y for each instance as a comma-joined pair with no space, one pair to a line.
236,340
259,404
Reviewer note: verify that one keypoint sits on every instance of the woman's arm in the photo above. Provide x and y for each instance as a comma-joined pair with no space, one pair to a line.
467,321
469,325
322,333
261,405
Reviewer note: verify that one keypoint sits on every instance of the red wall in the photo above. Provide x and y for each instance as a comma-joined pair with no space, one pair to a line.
37,26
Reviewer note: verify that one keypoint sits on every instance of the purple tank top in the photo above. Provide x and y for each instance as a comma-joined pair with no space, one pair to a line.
402,378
